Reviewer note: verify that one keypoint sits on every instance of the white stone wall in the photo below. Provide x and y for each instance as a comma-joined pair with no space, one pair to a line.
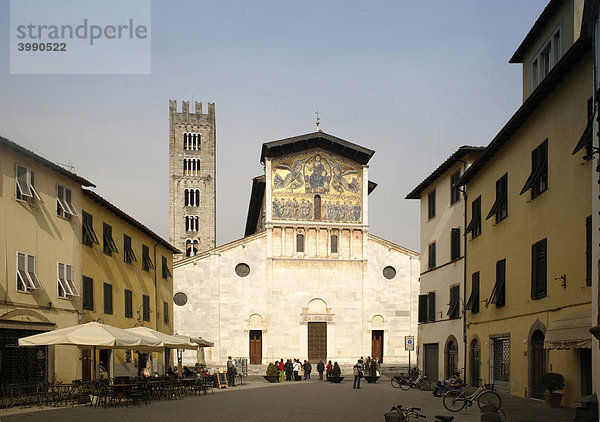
221,304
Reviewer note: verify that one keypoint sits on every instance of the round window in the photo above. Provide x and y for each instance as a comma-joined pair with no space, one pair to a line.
242,269
389,272
180,299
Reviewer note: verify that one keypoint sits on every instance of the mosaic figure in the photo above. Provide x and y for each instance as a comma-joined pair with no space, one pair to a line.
293,179
316,174
338,181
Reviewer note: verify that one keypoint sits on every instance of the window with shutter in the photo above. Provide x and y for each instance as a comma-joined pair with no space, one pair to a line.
498,296
431,306
454,307
431,263
473,302
147,264
108,303
165,312
454,192
128,255
88,293
146,307
109,245
422,309
474,226
88,235
166,273
500,207
431,204
539,269
455,244
128,304
538,178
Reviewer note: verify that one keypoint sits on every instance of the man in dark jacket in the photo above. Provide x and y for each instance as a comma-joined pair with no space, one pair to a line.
307,369
320,369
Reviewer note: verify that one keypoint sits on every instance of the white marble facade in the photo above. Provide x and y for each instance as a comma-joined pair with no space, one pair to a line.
290,285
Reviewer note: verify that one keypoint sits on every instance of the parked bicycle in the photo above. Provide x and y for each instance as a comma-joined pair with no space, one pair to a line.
406,383
456,400
400,414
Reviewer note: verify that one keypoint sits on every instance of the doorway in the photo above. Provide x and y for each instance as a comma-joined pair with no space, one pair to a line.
451,361
377,344
500,365
255,347
317,342
430,361
538,364
585,369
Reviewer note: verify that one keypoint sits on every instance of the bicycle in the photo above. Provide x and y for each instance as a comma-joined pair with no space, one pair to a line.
419,382
398,414
456,400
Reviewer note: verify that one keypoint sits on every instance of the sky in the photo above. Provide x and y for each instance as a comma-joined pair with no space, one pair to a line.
412,80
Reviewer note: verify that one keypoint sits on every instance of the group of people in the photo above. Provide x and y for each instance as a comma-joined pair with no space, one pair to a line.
293,369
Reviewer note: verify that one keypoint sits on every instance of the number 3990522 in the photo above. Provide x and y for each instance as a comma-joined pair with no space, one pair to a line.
48,46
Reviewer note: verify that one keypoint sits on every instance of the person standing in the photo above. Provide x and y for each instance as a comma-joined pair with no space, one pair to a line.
329,368
358,374
230,372
320,369
307,370
296,367
281,366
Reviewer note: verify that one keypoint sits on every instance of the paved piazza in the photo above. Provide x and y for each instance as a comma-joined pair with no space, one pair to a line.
300,401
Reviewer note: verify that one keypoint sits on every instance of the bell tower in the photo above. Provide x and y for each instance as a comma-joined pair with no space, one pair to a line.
192,184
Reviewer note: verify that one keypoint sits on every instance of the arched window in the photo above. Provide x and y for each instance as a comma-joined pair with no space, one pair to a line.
185,141
197,202
475,363
186,198
451,357
197,167
196,223
187,223
334,243
317,206
299,243
188,247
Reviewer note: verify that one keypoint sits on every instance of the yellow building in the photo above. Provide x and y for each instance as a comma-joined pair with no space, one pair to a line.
529,207
40,231
126,280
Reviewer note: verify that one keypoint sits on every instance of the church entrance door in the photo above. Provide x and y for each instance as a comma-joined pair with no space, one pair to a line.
377,345
255,347
317,342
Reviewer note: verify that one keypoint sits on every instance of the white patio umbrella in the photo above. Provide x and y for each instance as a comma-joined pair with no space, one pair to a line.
166,341
92,335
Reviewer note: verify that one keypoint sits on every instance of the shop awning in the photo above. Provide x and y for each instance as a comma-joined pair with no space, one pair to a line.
570,331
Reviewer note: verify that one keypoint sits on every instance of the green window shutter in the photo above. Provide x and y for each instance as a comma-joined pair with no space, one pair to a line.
422,308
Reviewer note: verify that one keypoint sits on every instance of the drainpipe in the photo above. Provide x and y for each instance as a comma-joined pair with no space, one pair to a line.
156,288
464,313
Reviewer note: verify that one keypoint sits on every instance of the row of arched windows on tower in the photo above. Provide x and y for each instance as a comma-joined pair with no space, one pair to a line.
191,166
191,223
191,141
191,197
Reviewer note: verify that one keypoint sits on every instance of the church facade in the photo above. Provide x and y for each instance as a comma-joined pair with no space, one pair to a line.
308,280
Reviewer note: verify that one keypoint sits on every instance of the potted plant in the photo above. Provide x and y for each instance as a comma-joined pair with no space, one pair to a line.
336,373
553,382
271,373
372,376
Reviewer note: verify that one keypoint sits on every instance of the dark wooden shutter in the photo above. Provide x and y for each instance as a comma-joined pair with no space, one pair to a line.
538,269
88,293
146,307
455,244
431,264
422,308
108,306
500,299
475,290
454,309
128,304
431,306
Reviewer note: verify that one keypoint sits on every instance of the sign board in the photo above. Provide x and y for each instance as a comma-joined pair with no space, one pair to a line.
409,343
221,380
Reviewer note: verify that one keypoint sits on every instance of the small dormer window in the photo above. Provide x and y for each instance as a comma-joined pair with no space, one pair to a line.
545,59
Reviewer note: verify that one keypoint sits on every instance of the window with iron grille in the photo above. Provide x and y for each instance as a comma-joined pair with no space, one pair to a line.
474,226
500,207
108,300
431,306
454,192
87,287
128,255
431,262
128,304
146,307
64,206
88,235
473,302
539,269
498,296
108,244
165,312
454,306
455,243
431,204
165,268
537,181
588,251
422,309
146,261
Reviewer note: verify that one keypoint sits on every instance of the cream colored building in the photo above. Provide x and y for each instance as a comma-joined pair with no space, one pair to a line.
40,232
441,344
308,280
